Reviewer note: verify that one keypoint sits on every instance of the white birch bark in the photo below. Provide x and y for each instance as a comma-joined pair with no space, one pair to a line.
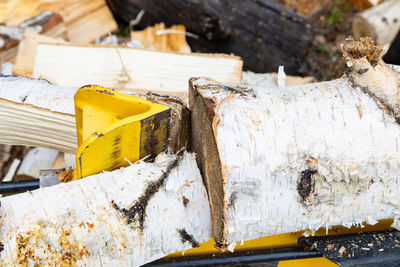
77,222
302,157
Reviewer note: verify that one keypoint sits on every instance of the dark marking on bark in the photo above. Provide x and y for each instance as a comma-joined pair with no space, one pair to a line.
185,201
185,237
1,247
306,184
362,71
210,104
23,99
232,200
393,111
137,212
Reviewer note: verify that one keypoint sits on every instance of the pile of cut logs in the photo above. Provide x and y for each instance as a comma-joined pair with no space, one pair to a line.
250,155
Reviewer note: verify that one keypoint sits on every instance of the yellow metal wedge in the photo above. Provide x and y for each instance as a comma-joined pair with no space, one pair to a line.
114,128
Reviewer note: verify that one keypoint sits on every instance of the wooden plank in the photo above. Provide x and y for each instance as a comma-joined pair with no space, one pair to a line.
25,59
279,158
127,217
85,20
125,68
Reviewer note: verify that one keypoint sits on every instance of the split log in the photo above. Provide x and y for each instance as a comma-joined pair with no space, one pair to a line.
381,23
263,33
85,20
279,159
46,23
126,68
25,58
161,38
127,217
36,113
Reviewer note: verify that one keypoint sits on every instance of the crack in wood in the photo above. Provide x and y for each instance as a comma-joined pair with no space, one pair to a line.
137,212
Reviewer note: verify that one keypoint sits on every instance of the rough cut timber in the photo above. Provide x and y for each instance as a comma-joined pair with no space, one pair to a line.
262,32
126,217
381,23
279,159
85,20
126,68
46,23
36,113
25,58
161,38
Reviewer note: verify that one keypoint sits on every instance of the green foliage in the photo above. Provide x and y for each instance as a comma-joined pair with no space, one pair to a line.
338,12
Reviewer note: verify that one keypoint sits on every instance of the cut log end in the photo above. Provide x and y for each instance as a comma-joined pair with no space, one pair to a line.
203,142
372,75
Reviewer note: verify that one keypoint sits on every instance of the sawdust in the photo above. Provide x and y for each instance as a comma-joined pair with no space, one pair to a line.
365,47
32,245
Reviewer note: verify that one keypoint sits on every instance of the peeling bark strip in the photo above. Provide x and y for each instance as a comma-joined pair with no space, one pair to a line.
92,232
301,156
137,212
372,75
185,237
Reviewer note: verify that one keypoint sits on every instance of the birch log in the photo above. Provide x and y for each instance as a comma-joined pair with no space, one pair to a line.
280,158
381,23
36,113
126,217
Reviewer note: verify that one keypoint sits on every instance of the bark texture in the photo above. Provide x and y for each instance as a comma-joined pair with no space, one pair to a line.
300,157
126,217
262,32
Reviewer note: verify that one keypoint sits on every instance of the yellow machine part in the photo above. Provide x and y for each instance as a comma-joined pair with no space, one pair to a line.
287,240
114,128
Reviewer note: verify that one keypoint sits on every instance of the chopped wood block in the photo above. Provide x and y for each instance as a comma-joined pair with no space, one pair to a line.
159,37
85,20
36,113
46,23
25,58
127,217
124,68
281,158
